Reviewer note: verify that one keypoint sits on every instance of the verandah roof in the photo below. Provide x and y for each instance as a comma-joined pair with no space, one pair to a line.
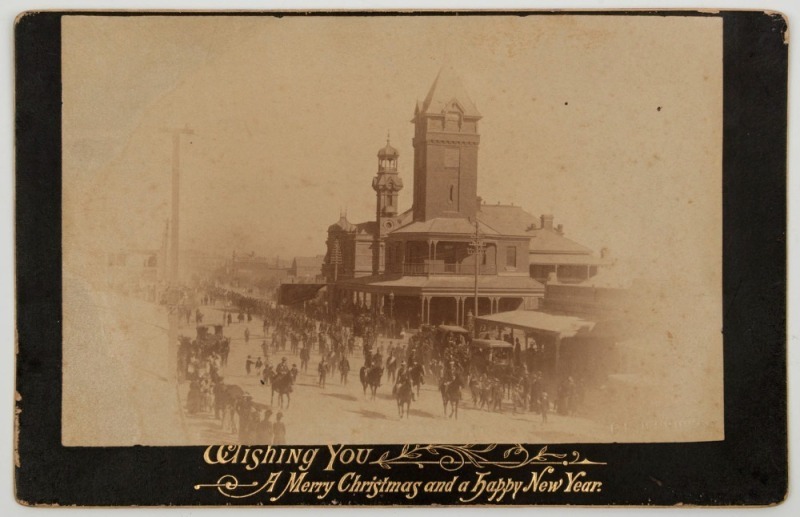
564,326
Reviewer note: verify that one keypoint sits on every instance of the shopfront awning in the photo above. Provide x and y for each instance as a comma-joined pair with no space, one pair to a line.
563,326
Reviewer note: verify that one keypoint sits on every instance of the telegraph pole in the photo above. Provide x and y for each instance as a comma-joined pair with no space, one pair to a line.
176,199
476,248
173,227
336,259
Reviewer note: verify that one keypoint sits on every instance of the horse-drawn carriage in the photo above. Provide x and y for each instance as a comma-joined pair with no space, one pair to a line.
491,357
451,343
209,340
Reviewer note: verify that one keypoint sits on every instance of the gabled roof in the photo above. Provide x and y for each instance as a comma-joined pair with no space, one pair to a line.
507,219
447,89
513,220
549,241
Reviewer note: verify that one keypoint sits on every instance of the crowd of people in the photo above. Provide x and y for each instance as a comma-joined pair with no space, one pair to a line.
341,341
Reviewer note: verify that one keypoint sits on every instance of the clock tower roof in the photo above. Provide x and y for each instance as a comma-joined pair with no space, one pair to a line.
447,89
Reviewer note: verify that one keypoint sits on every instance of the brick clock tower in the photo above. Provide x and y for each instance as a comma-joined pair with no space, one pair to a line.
446,151
387,184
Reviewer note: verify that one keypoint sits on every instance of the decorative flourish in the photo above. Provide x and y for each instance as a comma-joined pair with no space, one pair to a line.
454,457
227,485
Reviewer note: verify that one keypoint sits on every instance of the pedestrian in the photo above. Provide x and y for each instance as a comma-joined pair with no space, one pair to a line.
544,405
391,367
264,429
194,400
246,335
279,430
248,364
259,365
294,371
244,410
305,355
323,372
344,369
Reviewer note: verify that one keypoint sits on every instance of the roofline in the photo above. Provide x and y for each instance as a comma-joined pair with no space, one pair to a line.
483,236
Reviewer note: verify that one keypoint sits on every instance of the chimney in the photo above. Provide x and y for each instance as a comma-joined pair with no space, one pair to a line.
480,201
547,221
605,253
560,229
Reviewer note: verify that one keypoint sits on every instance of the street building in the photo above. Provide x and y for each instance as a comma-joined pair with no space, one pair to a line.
426,264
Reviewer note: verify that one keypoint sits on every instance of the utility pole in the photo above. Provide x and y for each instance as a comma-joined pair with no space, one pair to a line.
176,199
476,248
336,259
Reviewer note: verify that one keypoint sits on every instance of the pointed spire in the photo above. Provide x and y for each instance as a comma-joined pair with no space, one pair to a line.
447,89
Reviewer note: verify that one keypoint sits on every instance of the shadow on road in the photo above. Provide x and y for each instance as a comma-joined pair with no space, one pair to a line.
419,412
341,396
369,414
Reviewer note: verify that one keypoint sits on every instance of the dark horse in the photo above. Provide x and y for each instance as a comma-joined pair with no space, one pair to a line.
371,376
403,393
451,394
282,383
417,376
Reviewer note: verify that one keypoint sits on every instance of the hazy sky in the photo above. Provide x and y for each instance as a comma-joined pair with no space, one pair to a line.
614,124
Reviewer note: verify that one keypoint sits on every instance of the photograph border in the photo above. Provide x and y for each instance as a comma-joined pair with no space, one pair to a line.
749,467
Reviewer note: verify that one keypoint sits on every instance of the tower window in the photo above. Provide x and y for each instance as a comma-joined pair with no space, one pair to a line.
451,193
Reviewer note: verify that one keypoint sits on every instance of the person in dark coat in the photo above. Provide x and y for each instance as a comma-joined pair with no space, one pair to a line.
264,429
344,369
322,369
544,406
194,400
279,430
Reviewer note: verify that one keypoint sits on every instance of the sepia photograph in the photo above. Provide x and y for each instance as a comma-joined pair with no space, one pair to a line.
391,229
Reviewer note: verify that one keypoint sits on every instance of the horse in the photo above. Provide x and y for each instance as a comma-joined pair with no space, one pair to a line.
226,401
371,376
451,394
403,394
282,383
267,374
497,392
417,376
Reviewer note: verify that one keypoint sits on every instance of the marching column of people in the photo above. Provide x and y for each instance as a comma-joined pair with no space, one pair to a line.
335,339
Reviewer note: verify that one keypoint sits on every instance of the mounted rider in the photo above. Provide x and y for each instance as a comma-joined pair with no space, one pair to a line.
283,367
402,372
